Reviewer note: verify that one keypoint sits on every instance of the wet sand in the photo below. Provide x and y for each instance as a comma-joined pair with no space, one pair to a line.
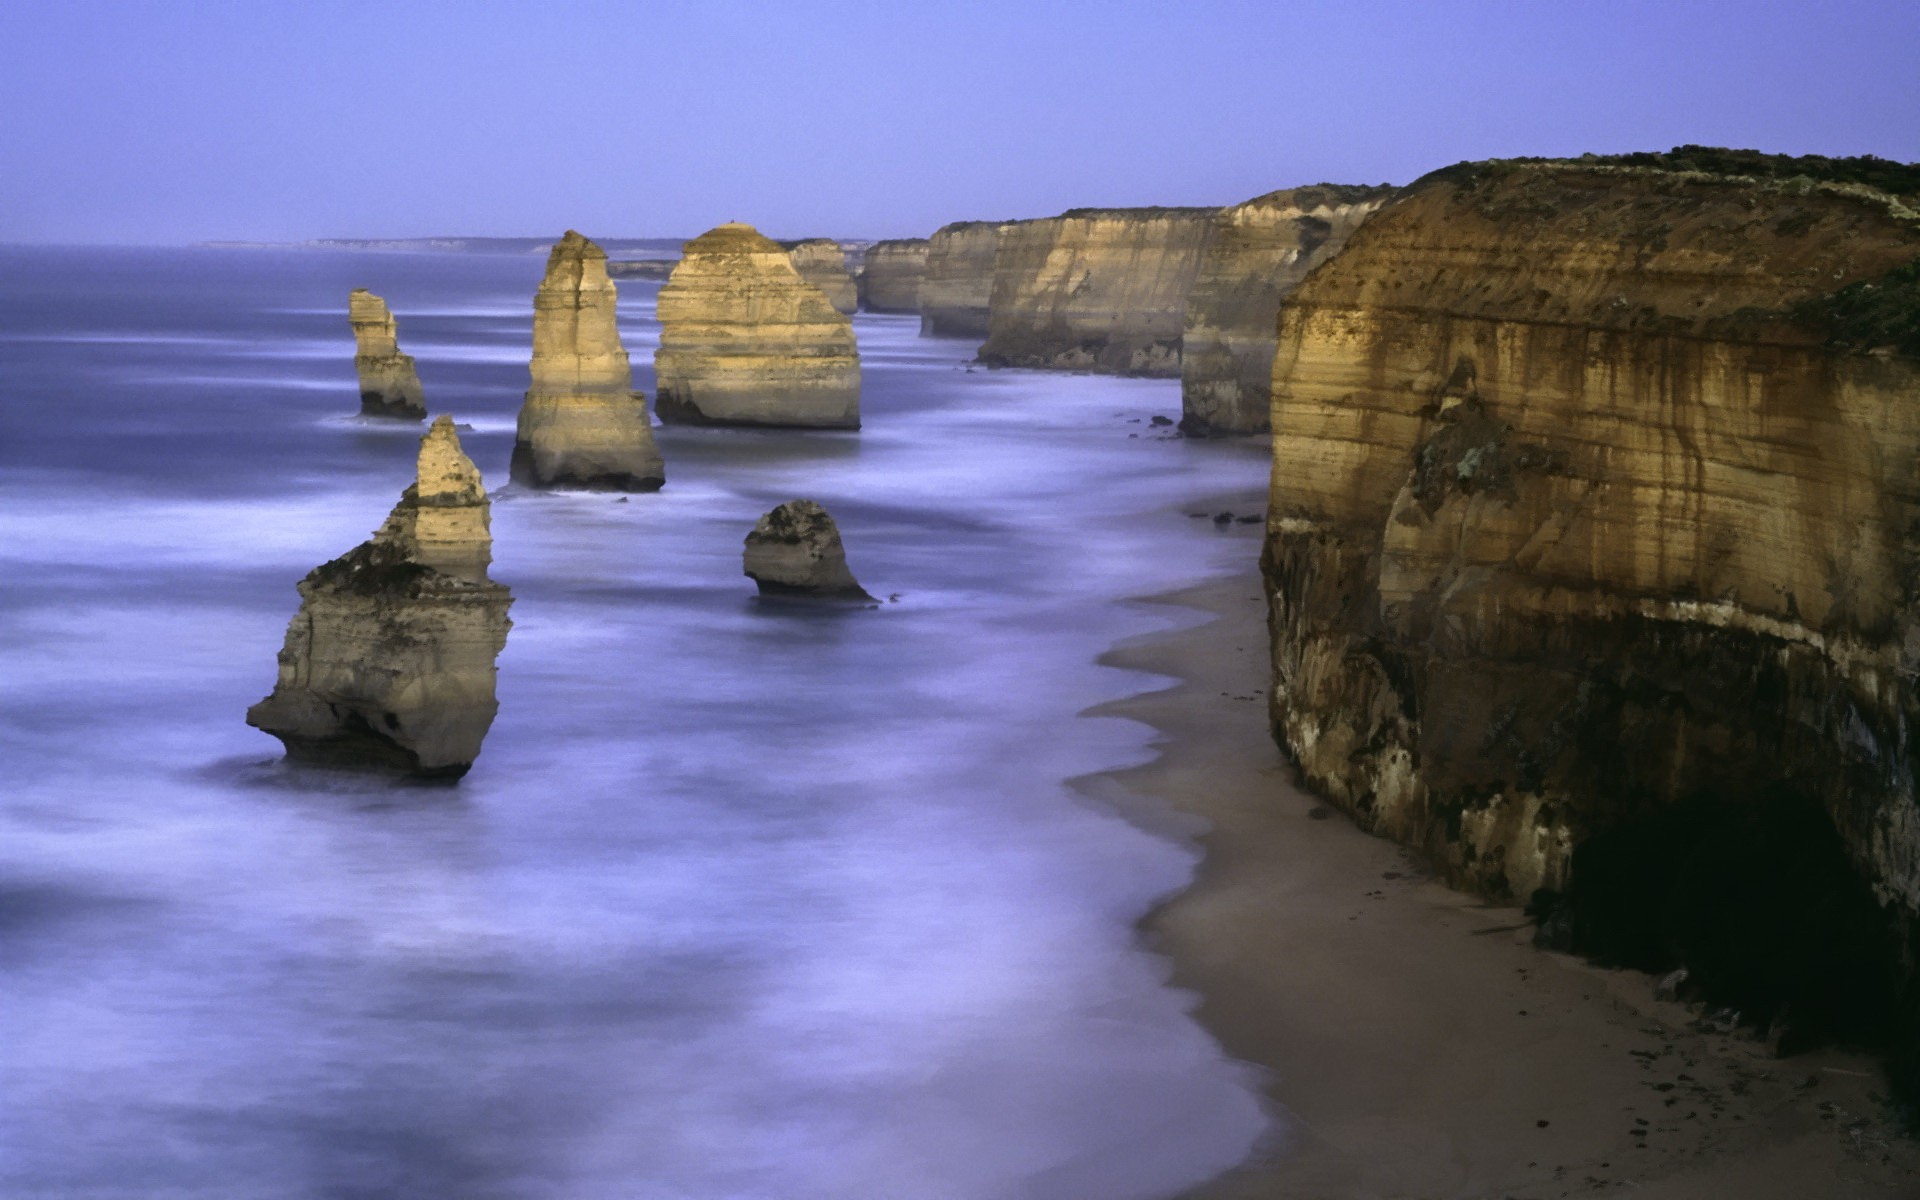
1416,1044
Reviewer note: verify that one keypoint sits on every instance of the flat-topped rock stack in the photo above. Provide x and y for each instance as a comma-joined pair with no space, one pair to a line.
822,262
390,661
956,292
890,280
1257,252
389,386
582,425
745,340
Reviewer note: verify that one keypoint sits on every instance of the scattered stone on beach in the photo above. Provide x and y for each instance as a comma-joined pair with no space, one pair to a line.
582,425
795,551
389,663
389,387
744,340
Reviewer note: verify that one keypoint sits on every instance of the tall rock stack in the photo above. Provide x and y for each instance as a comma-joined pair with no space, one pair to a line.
744,340
390,661
1592,553
956,294
890,281
1096,289
388,385
822,262
1258,252
582,425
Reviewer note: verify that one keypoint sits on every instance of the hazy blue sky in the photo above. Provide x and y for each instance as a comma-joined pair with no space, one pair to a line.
173,121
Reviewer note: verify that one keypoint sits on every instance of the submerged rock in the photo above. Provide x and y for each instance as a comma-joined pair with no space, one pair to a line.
390,661
822,262
1096,289
956,293
1258,252
890,281
744,340
795,551
582,425
388,385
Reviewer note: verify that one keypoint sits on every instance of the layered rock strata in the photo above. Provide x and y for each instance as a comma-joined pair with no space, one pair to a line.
956,293
744,340
795,552
1096,290
822,262
1257,252
1593,552
388,385
582,424
890,281
390,661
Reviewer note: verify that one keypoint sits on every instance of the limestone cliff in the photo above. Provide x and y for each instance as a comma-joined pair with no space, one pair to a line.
744,340
390,660
795,551
582,425
388,385
890,281
1257,253
1596,510
823,263
956,293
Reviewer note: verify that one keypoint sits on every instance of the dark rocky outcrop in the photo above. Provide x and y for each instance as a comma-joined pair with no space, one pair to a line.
795,552
390,661
388,385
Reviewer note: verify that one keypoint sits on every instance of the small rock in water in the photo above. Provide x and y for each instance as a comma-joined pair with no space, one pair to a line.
1223,519
1158,420
795,551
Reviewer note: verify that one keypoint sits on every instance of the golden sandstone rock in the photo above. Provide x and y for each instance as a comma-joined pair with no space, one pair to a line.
822,262
1096,289
795,551
1596,490
956,292
890,281
388,385
744,340
390,660
1256,254
582,425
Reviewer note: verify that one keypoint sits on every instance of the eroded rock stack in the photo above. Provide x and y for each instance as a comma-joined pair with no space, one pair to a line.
956,293
1257,252
1595,495
582,425
744,340
822,262
390,661
388,385
795,552
890,281
1096,290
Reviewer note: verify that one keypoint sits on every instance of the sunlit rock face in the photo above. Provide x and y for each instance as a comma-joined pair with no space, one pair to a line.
582,425
890,281
1257,253
795,552
388,385
1595,492
744,340
956,293
1096,290
822,262
390,661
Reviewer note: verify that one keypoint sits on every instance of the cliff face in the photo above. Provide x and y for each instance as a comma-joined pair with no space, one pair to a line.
1096,290
582,425
823,263
389,662
890,281
956,293
1594,502
1257,253
388,385
744,340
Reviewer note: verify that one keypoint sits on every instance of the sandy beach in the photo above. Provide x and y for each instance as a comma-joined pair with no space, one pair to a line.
1415,1043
